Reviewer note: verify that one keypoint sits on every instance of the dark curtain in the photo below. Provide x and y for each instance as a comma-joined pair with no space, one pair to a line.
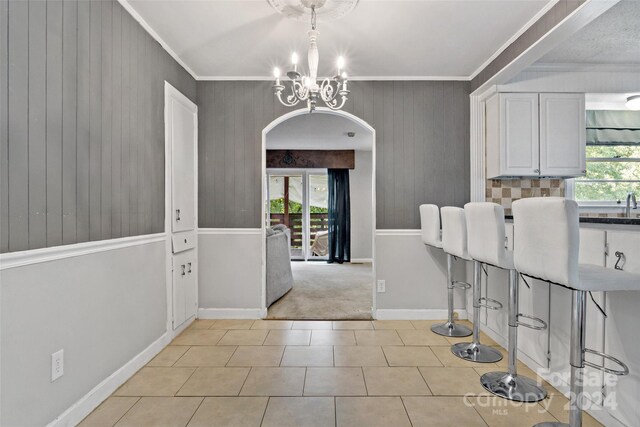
339,216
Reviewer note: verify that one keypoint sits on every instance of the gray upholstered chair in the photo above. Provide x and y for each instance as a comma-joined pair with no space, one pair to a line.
279,278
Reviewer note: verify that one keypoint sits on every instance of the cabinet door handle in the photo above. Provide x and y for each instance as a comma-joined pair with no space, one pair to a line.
189,270
183,267
177,214
536,170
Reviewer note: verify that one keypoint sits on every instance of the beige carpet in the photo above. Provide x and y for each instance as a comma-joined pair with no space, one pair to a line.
326,291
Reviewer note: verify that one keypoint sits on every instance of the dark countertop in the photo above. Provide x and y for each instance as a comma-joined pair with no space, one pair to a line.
591,220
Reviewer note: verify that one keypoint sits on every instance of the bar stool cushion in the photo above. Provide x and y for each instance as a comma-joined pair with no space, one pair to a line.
486,235
454,232
596,278
430,225
547,240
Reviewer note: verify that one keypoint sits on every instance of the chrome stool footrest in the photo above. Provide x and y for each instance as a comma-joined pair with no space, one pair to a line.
461,285
621,372
487,303
543,325
513,387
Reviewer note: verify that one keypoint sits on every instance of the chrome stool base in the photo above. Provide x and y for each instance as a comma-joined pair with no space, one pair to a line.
513,387
450,329
475,352
550,424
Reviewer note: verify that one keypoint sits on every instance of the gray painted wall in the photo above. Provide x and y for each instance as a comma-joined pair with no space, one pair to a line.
81,108
422,147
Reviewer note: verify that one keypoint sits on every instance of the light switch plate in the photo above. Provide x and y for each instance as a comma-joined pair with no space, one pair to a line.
381,286
57,365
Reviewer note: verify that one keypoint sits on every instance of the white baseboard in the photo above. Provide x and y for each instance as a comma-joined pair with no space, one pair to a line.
361,260
231,313
419,314
83,407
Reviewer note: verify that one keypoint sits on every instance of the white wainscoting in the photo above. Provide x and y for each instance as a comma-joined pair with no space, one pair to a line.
415,276
230,273
103,302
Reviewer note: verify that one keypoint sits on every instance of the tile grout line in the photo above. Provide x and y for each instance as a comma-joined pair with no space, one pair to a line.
180,388
264,413
194,412
226,365
245,381
405,410
425,380
123,415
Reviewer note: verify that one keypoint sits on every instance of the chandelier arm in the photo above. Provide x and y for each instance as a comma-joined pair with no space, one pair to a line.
300,91
327,91
290,101
334,104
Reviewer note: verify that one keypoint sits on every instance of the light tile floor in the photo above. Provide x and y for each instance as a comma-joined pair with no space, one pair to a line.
232,373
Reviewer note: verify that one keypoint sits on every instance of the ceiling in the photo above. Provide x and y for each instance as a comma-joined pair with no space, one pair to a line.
611,38
245,39
607,101
319,131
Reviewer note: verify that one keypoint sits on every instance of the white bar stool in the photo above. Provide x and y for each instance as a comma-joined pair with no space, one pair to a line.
474,351
547,240
487,244
431,236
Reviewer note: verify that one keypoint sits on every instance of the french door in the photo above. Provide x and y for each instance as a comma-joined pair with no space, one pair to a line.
298,199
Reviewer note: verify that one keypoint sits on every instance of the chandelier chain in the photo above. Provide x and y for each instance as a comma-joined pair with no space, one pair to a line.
313,17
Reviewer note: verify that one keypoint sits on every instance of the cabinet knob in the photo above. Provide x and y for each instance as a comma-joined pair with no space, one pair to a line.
183,272
584,171
536,170
177,214
189,270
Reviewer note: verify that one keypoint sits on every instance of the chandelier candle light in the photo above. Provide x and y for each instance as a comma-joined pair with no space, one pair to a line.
306,88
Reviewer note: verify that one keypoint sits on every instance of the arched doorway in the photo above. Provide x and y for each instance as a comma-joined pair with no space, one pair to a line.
366,129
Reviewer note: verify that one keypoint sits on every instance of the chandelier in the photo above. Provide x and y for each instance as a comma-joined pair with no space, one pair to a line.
332,91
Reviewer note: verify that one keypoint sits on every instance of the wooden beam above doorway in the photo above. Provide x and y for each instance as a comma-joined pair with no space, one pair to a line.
311,159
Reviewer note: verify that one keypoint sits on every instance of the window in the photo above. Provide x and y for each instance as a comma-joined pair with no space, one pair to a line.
613,158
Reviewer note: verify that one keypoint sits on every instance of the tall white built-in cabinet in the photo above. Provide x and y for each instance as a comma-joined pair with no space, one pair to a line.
536,135
181,132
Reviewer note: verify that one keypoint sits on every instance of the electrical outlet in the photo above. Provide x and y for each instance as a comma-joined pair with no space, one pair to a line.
57,365
381,286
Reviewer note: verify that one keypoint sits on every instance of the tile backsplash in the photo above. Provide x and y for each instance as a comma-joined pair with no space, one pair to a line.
506,191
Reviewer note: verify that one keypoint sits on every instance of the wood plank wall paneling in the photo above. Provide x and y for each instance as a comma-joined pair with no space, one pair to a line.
422,147
82,119
554,16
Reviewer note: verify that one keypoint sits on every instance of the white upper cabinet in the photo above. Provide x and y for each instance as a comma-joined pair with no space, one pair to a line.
562,134
512,135
531,134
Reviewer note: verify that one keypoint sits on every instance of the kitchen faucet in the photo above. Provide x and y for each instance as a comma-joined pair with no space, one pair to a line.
631,203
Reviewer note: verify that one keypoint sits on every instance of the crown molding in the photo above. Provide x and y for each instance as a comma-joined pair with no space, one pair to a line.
351,78
584,67
127,6
514,37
